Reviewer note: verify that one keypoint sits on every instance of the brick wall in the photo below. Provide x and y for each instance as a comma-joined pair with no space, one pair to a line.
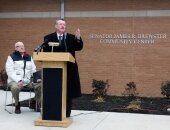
83,5
145,64
110,5
29,5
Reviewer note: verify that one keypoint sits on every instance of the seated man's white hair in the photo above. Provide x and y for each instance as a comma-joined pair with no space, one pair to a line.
18,43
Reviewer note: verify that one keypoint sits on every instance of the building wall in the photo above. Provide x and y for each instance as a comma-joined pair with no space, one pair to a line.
145,64
83,5
29,5
107,5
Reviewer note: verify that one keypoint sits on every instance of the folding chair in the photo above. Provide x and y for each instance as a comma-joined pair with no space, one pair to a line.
4,77
24,89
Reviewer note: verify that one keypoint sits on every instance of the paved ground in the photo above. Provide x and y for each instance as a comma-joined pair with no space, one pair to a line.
82,120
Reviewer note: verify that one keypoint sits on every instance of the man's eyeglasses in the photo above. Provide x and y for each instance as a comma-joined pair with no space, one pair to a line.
20,46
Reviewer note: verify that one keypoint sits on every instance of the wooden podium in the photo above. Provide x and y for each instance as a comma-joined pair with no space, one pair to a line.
54,81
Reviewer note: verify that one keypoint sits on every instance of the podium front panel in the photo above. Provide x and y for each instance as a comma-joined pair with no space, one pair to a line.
52,94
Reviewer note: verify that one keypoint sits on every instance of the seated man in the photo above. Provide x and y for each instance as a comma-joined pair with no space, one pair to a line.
20,67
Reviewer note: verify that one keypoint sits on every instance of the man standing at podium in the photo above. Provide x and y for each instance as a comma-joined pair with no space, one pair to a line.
67,43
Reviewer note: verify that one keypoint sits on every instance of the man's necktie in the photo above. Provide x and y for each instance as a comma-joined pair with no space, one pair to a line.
60,38
63,45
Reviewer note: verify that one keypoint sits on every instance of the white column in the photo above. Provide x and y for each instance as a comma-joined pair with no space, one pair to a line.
62,9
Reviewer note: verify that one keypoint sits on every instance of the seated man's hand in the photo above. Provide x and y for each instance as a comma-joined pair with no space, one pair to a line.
39,80
20,83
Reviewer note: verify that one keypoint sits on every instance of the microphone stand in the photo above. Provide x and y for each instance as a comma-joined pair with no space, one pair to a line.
39,49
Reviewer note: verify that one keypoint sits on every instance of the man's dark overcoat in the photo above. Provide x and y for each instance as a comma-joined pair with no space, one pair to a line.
68,44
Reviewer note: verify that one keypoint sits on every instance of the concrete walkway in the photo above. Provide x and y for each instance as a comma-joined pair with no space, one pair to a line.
82,120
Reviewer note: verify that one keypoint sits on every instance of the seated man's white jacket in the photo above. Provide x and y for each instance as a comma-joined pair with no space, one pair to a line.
20,68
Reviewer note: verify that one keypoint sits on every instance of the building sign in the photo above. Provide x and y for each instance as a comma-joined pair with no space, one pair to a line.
127,38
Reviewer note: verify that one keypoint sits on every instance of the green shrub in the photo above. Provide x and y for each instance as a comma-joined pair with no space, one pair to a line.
130,90
100,89
165,88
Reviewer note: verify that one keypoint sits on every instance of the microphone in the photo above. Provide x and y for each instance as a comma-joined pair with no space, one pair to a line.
37,49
